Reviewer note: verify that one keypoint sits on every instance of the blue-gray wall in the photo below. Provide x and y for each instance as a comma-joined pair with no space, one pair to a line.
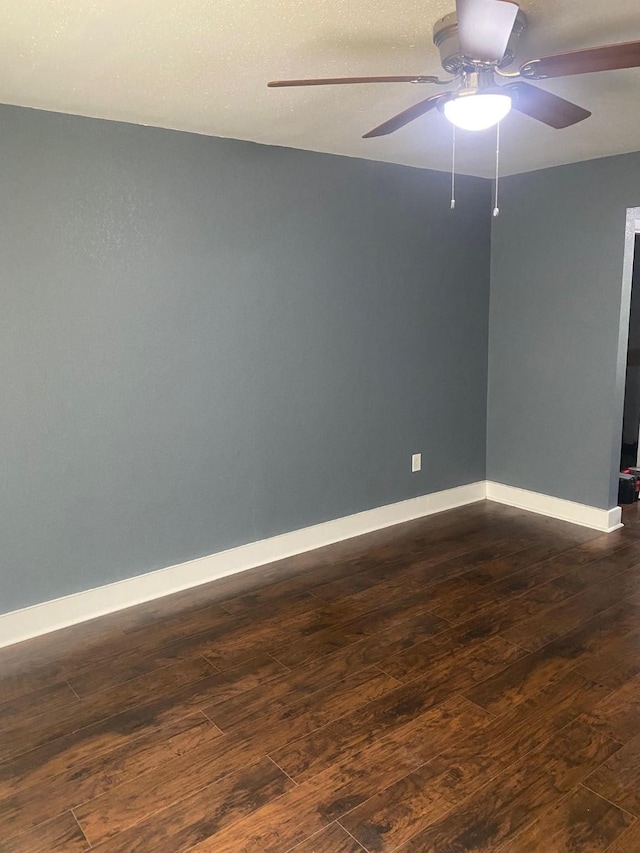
557,298
205,342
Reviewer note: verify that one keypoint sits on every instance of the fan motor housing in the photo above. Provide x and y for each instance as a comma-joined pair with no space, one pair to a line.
445,38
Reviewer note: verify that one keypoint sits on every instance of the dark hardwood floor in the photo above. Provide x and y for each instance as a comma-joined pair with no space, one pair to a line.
465,682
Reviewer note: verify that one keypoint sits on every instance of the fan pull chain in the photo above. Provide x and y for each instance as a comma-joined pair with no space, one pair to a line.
453,170
496,209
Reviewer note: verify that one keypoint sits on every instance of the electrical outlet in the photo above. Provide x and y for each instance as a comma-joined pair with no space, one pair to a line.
416,462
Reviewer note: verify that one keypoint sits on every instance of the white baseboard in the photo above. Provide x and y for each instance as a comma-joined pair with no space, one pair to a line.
71,609
606,520
81,606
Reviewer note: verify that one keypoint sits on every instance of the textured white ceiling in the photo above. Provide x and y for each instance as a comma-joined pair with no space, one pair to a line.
202,65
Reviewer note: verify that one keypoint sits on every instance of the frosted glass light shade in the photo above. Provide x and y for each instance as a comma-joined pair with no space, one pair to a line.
477,112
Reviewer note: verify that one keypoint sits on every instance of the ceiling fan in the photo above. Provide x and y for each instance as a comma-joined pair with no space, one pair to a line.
476,43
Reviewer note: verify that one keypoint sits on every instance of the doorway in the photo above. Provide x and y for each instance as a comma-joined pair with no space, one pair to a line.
629,482
631,411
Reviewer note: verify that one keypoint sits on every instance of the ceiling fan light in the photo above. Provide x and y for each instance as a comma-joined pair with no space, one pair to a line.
478,111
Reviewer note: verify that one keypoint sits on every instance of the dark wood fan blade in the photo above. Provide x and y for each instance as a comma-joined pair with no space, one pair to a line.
607,58
545,107
484,27
339,81
406,116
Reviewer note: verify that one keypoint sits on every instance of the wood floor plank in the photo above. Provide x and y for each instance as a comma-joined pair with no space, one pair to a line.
626,559
28,733
580,821
287,628
48,700
434,550
289,688
370,598
137,663
513,593
536,632
148,651
275,593
109,646
174,625
616,662
618,714
500,568
42,652
28,679
429,571
105,663
447,591
61,754
516,549
530,594
492,816
134,801
531,673
608,543
618,779
44,794
387,617
504,612
571,569
192,817
307,713
628,842
62,835
310,755
442,652
394,815
382,571
298,609
313,805
333,839
533,589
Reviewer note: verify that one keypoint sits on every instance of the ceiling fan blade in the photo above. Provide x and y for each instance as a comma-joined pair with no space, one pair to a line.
544,106
607,58
408,115
338,81
484,28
